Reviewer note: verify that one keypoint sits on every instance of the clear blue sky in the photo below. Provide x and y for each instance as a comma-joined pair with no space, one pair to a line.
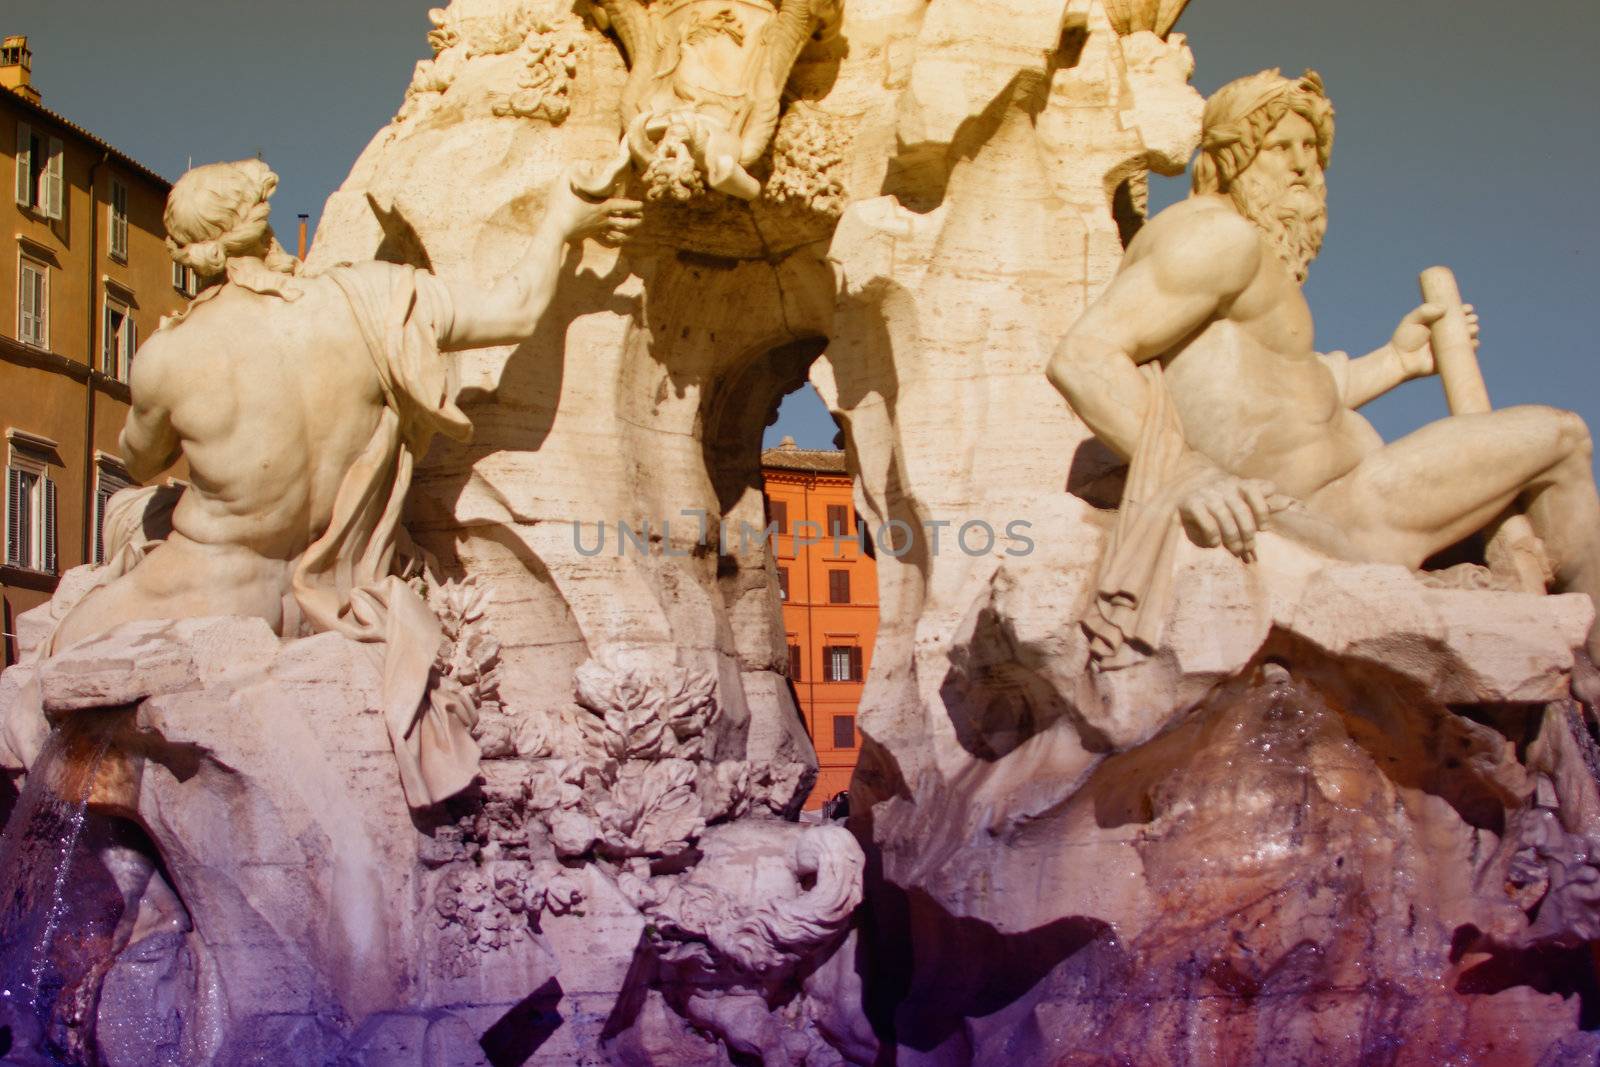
1467,136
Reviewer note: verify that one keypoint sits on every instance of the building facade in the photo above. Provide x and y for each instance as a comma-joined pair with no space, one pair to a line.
85,276
828,581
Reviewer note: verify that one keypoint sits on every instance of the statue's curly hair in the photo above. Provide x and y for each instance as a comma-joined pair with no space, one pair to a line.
1239,116
220,211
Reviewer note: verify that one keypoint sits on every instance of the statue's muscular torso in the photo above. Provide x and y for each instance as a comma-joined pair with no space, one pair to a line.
1252,393
270,418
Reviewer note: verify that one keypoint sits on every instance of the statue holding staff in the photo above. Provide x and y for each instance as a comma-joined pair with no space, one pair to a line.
1205,326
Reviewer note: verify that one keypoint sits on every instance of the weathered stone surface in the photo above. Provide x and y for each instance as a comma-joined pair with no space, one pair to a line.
1334,813
155,658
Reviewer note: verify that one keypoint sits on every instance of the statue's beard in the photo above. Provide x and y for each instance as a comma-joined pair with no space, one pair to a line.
1294,218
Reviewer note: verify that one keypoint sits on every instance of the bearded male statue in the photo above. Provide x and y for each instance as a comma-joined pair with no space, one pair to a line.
1205,320
302,404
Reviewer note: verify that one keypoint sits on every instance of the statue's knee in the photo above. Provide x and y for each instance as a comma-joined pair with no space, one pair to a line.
1574,434
1571,432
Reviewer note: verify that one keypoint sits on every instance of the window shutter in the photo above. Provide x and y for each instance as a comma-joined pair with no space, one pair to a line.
844,731
55,183
27,313
838,521
779,513
795,660
118,210
36,304
24,164
855,663
838,587
14,517
49,524
108,337
126,371
99,524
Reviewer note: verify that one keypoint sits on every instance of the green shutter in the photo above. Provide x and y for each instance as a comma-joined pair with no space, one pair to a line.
25,191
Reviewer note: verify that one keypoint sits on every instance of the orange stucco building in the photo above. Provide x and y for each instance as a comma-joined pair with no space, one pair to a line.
85,275
828,580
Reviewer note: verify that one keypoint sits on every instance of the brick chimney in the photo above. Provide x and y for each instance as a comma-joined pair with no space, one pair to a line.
16,67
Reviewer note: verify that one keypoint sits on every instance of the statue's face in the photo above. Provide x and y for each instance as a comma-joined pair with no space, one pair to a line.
1284,193
1288,155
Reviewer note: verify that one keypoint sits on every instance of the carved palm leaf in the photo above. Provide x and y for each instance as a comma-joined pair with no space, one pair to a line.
1131,16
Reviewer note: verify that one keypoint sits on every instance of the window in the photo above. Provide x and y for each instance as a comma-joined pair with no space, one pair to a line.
41,172
778,514
110,479
33,303
842,663
795,662
31,508
838,520
783,583
119,339
838,587
183,279
844,731
119,220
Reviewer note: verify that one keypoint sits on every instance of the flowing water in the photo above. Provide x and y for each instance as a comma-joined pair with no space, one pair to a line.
37,853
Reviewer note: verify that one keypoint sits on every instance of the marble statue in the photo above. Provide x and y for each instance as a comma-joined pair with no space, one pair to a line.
1172,749
702,100
1209,292
301,404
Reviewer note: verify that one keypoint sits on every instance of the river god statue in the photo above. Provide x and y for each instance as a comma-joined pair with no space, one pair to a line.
302,404
1198,360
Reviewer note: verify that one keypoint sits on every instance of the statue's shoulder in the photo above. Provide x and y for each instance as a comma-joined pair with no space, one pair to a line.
369,275
1201,239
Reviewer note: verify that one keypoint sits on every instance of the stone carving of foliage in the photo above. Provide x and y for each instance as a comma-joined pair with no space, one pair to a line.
483,909
808,161
469,660
455,39
652,809
643,718
544,86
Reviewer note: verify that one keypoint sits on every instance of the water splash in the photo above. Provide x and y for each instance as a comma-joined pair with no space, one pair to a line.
37,851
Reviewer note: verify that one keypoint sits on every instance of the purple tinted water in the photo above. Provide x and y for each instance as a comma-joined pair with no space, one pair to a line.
37,851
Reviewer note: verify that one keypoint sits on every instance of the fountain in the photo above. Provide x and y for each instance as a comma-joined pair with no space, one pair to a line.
1160,762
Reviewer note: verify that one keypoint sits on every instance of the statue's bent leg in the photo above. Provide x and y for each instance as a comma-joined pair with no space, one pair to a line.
182,579
1454,477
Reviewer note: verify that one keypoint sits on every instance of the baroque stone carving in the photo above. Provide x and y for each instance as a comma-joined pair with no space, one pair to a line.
1259,211
706,84
544,86
1318,810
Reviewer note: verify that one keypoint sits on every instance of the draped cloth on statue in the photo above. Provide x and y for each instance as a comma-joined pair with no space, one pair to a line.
1134,591
346,580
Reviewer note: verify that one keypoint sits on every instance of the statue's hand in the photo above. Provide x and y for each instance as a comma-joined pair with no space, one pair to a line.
1229,511
1413,338
580,207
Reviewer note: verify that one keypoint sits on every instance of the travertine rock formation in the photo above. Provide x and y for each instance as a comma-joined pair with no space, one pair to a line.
1333,812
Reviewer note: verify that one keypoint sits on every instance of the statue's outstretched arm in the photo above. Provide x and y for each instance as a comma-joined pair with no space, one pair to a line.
510,311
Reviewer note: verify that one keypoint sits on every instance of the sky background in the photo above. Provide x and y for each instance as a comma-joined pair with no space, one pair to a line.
1466,137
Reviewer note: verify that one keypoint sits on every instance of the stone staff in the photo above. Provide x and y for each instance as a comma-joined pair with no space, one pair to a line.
1513,548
